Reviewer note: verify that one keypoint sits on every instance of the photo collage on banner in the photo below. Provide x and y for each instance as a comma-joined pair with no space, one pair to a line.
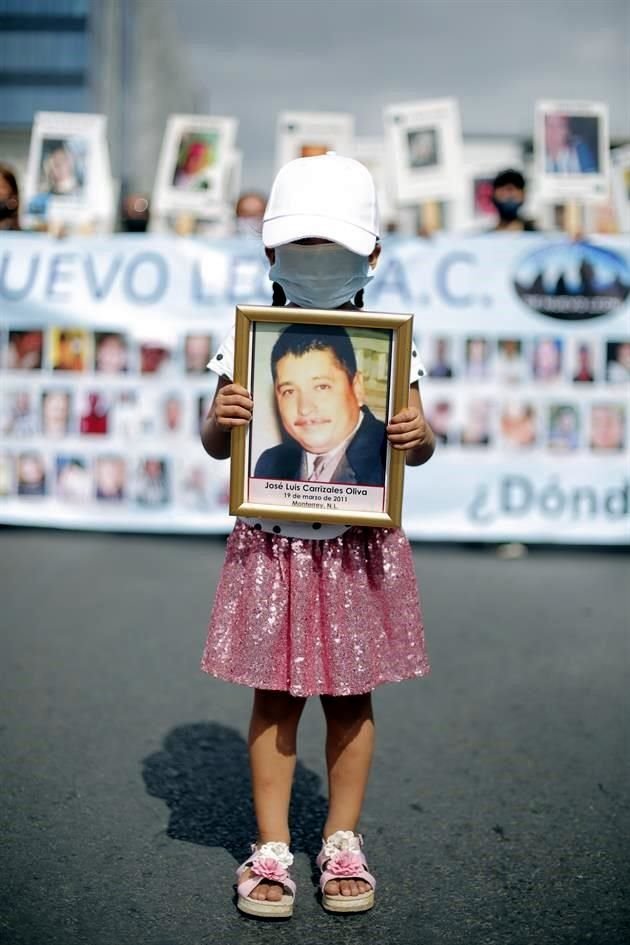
103,386
95,421
546,393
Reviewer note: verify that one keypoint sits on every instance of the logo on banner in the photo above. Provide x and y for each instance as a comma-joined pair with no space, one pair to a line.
573,281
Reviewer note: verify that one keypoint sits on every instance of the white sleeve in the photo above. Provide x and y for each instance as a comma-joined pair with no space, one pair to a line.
416,369
222,363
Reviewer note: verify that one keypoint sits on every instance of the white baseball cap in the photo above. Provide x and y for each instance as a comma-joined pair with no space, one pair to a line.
328,197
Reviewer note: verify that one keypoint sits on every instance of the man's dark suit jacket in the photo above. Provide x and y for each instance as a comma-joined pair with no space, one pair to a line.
362,463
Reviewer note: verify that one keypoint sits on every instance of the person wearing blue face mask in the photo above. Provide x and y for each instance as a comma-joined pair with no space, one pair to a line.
315,609
508,197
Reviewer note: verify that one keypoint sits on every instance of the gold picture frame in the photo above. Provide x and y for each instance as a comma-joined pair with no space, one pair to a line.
269,475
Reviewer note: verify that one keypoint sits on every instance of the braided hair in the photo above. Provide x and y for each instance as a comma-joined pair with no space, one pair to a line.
279,299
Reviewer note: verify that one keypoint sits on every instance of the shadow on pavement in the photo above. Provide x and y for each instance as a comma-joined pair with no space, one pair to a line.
202,774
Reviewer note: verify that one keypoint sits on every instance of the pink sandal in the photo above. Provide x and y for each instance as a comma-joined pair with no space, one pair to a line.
341,857
270,861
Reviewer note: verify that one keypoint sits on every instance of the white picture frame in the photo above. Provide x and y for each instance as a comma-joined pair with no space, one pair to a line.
195,157
571,151
620,186
308,134
424,151
68,178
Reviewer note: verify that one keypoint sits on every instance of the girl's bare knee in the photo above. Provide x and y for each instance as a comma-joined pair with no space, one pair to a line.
347,709
275,707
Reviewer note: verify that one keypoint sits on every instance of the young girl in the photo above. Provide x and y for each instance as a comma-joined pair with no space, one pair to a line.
303,609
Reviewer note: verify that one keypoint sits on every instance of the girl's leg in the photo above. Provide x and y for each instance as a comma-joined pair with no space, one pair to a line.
272,751
349,748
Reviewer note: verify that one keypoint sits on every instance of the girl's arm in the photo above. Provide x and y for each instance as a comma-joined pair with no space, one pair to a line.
409,431
231,407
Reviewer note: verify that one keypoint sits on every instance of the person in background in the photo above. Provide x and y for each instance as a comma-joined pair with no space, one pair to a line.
134,214
508,197
9,199
249,212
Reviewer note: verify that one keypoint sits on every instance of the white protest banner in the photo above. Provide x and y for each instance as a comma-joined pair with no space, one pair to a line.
104,341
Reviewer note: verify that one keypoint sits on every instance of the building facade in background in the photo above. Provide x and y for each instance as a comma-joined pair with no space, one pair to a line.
115,57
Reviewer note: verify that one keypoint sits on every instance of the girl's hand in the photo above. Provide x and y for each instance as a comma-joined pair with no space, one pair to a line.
232,407
408,429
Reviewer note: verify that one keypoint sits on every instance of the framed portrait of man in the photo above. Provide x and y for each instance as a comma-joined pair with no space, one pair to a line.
310,134
324,385
571,146
195,161
424,151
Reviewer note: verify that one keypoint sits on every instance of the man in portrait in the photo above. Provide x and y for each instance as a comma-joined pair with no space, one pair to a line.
566,152
329,433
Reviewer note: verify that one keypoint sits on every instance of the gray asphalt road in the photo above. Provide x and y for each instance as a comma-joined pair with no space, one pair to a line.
499,806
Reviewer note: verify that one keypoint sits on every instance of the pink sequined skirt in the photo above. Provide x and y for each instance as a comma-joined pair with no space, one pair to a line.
336,617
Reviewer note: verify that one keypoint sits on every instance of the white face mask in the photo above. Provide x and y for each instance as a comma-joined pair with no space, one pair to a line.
320,276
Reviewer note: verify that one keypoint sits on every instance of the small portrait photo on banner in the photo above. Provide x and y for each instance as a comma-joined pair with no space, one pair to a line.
25,350
57,417
583,369
564,428
31,473
440,417
572,151
441,366
111,352
547,359
110,478
71,349
518,425
324,385
197,353
608,427
618,362
74,479
152,482
19,413
94,413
